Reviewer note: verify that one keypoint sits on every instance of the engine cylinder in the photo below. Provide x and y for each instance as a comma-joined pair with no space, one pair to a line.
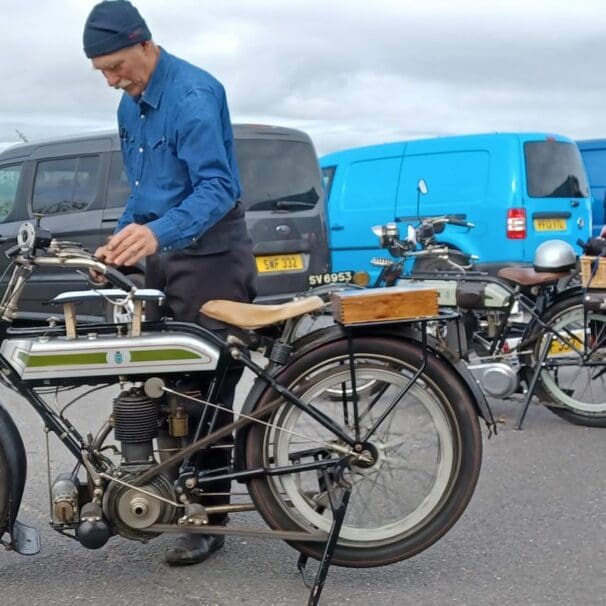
136,418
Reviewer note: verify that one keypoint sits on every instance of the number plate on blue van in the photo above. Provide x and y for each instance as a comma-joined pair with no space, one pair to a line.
550,224
278,263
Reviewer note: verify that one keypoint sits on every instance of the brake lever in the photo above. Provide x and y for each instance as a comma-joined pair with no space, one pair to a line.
117,278
13,251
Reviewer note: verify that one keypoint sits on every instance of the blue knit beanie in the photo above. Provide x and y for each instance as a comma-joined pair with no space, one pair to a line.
111,26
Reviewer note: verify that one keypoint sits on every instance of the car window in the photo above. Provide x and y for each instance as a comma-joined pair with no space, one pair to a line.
278,174
118,188
554,169
9,182
328,174
65,184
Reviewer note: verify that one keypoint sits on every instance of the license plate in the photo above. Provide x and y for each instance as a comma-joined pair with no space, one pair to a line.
550,224
558,347
336,277
279,263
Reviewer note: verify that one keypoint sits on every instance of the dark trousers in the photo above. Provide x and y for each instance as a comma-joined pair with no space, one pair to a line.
188,281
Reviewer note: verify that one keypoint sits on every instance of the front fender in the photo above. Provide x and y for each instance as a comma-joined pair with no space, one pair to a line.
12,473
313,340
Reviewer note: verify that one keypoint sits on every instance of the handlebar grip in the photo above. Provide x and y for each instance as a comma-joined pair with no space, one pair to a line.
461,222
117,278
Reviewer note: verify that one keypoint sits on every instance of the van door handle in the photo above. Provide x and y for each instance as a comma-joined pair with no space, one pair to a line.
337,227
574,203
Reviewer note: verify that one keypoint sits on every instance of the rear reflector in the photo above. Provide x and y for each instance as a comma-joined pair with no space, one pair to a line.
516,223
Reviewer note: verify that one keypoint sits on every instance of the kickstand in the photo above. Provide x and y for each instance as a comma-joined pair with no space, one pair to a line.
338,505
531,386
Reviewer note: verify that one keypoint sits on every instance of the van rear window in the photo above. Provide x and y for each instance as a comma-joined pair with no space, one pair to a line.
278,174
554,169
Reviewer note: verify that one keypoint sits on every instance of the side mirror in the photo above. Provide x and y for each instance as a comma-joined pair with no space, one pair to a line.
422,187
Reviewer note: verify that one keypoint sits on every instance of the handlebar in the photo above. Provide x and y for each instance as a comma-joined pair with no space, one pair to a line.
434,251
461,222
31,239
36,247
437,220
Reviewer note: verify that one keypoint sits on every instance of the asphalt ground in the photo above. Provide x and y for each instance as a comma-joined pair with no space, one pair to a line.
534,533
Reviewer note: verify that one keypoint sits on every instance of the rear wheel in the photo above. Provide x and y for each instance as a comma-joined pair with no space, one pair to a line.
574,378
426,451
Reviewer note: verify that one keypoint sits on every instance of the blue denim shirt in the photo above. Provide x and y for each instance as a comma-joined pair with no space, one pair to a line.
178,150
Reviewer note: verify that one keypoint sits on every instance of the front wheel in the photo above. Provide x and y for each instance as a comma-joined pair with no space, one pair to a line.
426,450
573,381
4,490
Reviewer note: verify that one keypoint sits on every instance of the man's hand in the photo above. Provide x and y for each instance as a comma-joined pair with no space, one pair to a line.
95,276
129,245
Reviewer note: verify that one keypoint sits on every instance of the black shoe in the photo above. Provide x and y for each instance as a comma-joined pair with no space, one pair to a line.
193,548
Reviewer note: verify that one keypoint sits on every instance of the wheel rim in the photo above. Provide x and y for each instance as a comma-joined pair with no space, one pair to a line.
414,468
582,388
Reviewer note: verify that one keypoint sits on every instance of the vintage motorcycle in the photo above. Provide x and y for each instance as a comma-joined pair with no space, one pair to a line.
519,327
359,445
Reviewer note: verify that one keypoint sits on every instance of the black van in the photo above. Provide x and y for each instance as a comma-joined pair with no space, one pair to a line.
79,187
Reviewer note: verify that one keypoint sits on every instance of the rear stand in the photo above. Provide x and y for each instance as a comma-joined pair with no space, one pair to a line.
338,504
531,387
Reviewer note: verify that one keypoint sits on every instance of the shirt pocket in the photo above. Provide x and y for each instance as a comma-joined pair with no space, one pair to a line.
127,142
160,158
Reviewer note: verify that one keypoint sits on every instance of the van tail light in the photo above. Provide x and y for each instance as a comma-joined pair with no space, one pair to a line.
516,223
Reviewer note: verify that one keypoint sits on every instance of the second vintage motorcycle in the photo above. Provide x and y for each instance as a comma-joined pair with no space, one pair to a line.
521,331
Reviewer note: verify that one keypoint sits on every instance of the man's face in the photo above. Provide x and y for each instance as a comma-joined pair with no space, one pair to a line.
127,69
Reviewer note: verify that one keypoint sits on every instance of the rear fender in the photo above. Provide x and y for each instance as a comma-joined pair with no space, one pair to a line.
11,488
314,340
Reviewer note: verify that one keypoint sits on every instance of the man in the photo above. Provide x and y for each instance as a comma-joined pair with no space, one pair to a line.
183,214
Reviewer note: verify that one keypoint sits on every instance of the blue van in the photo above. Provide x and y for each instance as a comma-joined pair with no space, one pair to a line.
594,157
519,189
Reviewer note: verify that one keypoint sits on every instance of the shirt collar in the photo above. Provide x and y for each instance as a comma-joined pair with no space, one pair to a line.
153,91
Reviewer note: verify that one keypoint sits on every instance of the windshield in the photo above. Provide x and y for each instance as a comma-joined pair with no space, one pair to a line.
554,169
278,174
9,182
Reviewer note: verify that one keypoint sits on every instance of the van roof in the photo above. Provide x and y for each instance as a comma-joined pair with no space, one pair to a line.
592,143
241,131
383,148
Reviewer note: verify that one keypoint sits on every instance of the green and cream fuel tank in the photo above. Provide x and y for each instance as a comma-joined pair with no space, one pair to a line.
99,355
70,355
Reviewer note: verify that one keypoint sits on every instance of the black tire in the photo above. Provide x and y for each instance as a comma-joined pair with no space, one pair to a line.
4,490
438,412
115,314
575,392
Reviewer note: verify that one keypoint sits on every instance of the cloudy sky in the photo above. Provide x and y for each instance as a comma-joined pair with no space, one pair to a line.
349,72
